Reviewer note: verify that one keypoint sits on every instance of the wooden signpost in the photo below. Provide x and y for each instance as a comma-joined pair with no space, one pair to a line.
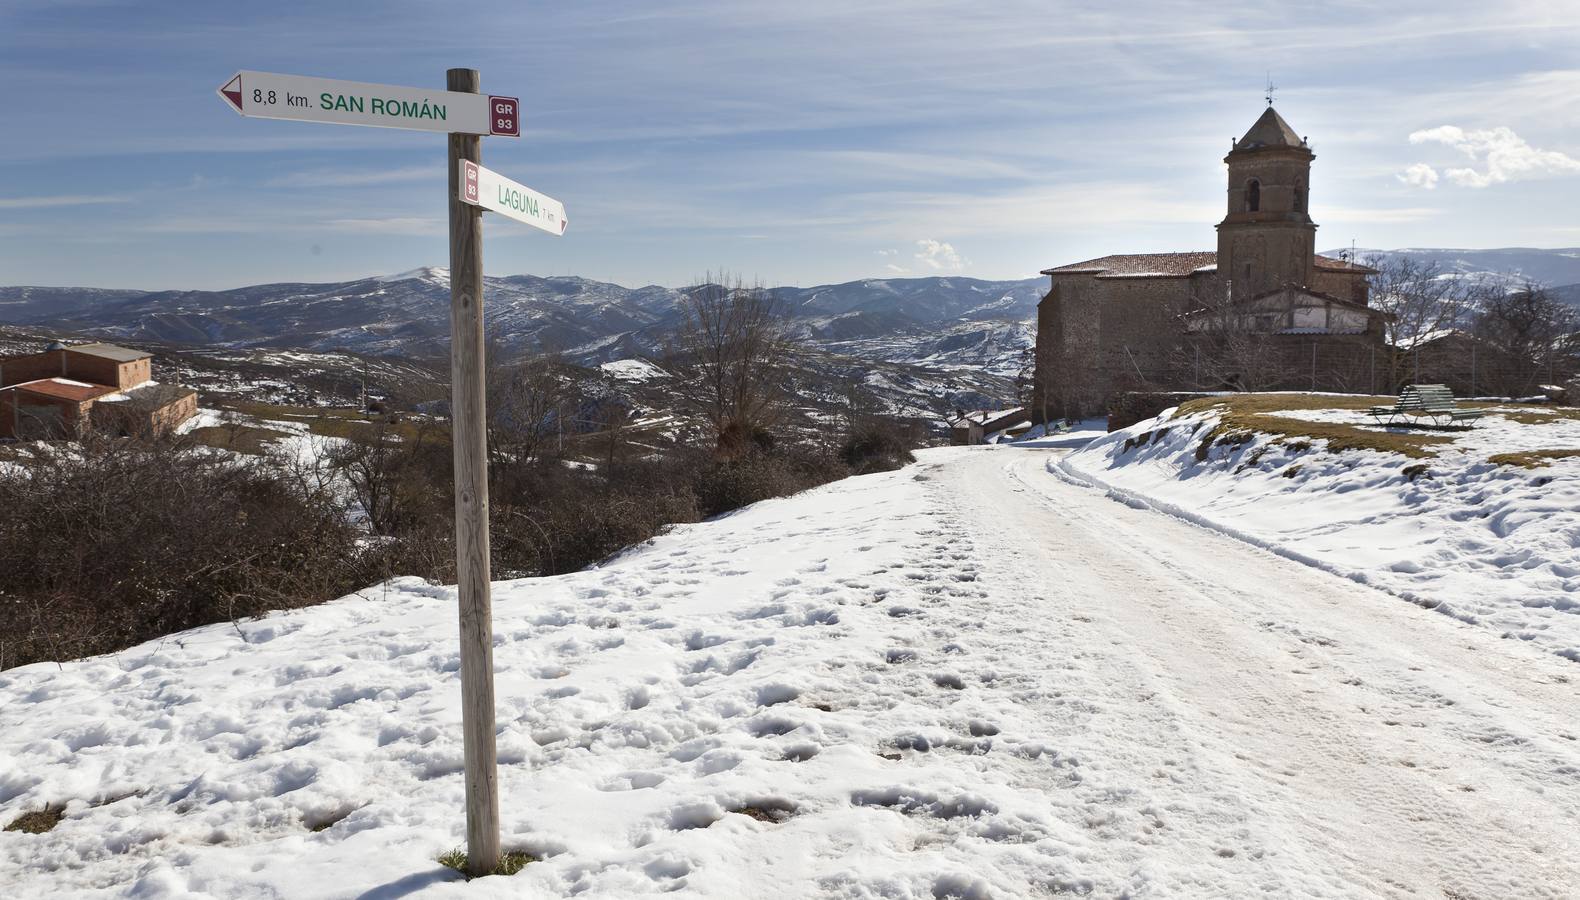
464,114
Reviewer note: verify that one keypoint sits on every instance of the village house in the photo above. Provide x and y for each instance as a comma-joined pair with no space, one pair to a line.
1262,311
974,427
61,391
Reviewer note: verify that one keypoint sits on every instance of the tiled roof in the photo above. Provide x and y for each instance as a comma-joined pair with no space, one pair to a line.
1176,265
152,395
64,389
1167,264
1269,131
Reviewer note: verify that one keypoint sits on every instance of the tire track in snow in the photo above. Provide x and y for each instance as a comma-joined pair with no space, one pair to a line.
1390,714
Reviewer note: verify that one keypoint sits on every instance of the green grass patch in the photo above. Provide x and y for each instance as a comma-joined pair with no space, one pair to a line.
38,821
510,862
1531,459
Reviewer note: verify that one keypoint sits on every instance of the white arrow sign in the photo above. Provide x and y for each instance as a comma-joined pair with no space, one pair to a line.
304,99
493,191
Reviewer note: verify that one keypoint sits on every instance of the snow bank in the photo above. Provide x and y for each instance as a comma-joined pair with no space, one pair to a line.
1490,544
656,717
637,370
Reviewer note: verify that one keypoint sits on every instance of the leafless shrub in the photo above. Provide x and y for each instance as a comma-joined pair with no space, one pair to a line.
528,401
399,484
110,542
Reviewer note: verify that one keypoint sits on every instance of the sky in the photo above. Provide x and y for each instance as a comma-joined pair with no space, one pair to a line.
789,143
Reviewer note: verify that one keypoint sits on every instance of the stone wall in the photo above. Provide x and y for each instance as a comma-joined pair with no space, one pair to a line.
1129,407
1343,285
17,369
98,370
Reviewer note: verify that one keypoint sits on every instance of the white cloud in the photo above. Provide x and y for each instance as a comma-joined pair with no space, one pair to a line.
60,200
1421,175
939,256
1505,155
356,178
406,225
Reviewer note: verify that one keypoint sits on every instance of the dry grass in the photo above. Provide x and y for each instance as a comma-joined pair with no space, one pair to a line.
327,421
249,439
770,811
1527,414
1532,459
1243,413
38,821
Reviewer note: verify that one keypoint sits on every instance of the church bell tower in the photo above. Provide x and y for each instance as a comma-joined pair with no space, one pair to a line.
1267,239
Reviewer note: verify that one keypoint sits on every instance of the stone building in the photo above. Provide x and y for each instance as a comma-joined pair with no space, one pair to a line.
61,391
1262,311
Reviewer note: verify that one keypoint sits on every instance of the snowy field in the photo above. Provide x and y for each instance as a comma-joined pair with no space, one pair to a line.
1496,545
964,679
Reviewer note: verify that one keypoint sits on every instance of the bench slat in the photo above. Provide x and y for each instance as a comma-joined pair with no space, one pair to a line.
1428,401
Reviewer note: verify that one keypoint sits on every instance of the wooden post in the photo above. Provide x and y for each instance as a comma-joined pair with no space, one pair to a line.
471,504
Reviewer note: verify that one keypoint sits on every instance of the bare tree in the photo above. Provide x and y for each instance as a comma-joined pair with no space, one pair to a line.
1229,346
733,339
527,399
1533,337
1423,301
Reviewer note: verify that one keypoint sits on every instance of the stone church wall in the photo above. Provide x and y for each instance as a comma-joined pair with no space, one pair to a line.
1343,285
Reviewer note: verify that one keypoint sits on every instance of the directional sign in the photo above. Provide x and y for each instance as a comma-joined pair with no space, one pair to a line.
305,99
493,191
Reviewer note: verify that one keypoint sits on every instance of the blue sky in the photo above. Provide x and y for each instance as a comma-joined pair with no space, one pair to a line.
796,143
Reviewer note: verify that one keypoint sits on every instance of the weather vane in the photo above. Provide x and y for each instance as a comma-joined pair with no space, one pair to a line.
1270,88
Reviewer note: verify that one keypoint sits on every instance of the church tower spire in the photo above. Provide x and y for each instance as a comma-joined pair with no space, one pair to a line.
1267,238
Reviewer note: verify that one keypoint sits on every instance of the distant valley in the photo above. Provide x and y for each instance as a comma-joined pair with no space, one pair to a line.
923,346
943,321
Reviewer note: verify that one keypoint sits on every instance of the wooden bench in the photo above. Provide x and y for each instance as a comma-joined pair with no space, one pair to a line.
1434,402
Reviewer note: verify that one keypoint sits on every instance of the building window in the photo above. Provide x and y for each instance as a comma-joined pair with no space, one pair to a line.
1253,195
1300,200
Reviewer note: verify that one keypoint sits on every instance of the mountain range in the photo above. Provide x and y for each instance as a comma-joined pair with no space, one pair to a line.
940,323
964,321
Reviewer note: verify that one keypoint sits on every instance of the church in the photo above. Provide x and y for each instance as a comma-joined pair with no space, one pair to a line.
1261,312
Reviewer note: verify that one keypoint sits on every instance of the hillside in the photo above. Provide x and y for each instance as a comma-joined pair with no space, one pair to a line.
943,323
1545,266
821,379
963,679
1558,270
899,320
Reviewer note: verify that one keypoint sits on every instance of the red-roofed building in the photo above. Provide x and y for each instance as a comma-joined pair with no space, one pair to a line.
58,392
1141,320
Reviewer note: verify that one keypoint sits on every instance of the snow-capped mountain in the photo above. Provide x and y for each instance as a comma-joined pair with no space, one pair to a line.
942,323
901,320
1554,268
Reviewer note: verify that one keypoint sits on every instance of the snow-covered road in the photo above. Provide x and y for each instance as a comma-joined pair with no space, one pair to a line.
1380,749
969,678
